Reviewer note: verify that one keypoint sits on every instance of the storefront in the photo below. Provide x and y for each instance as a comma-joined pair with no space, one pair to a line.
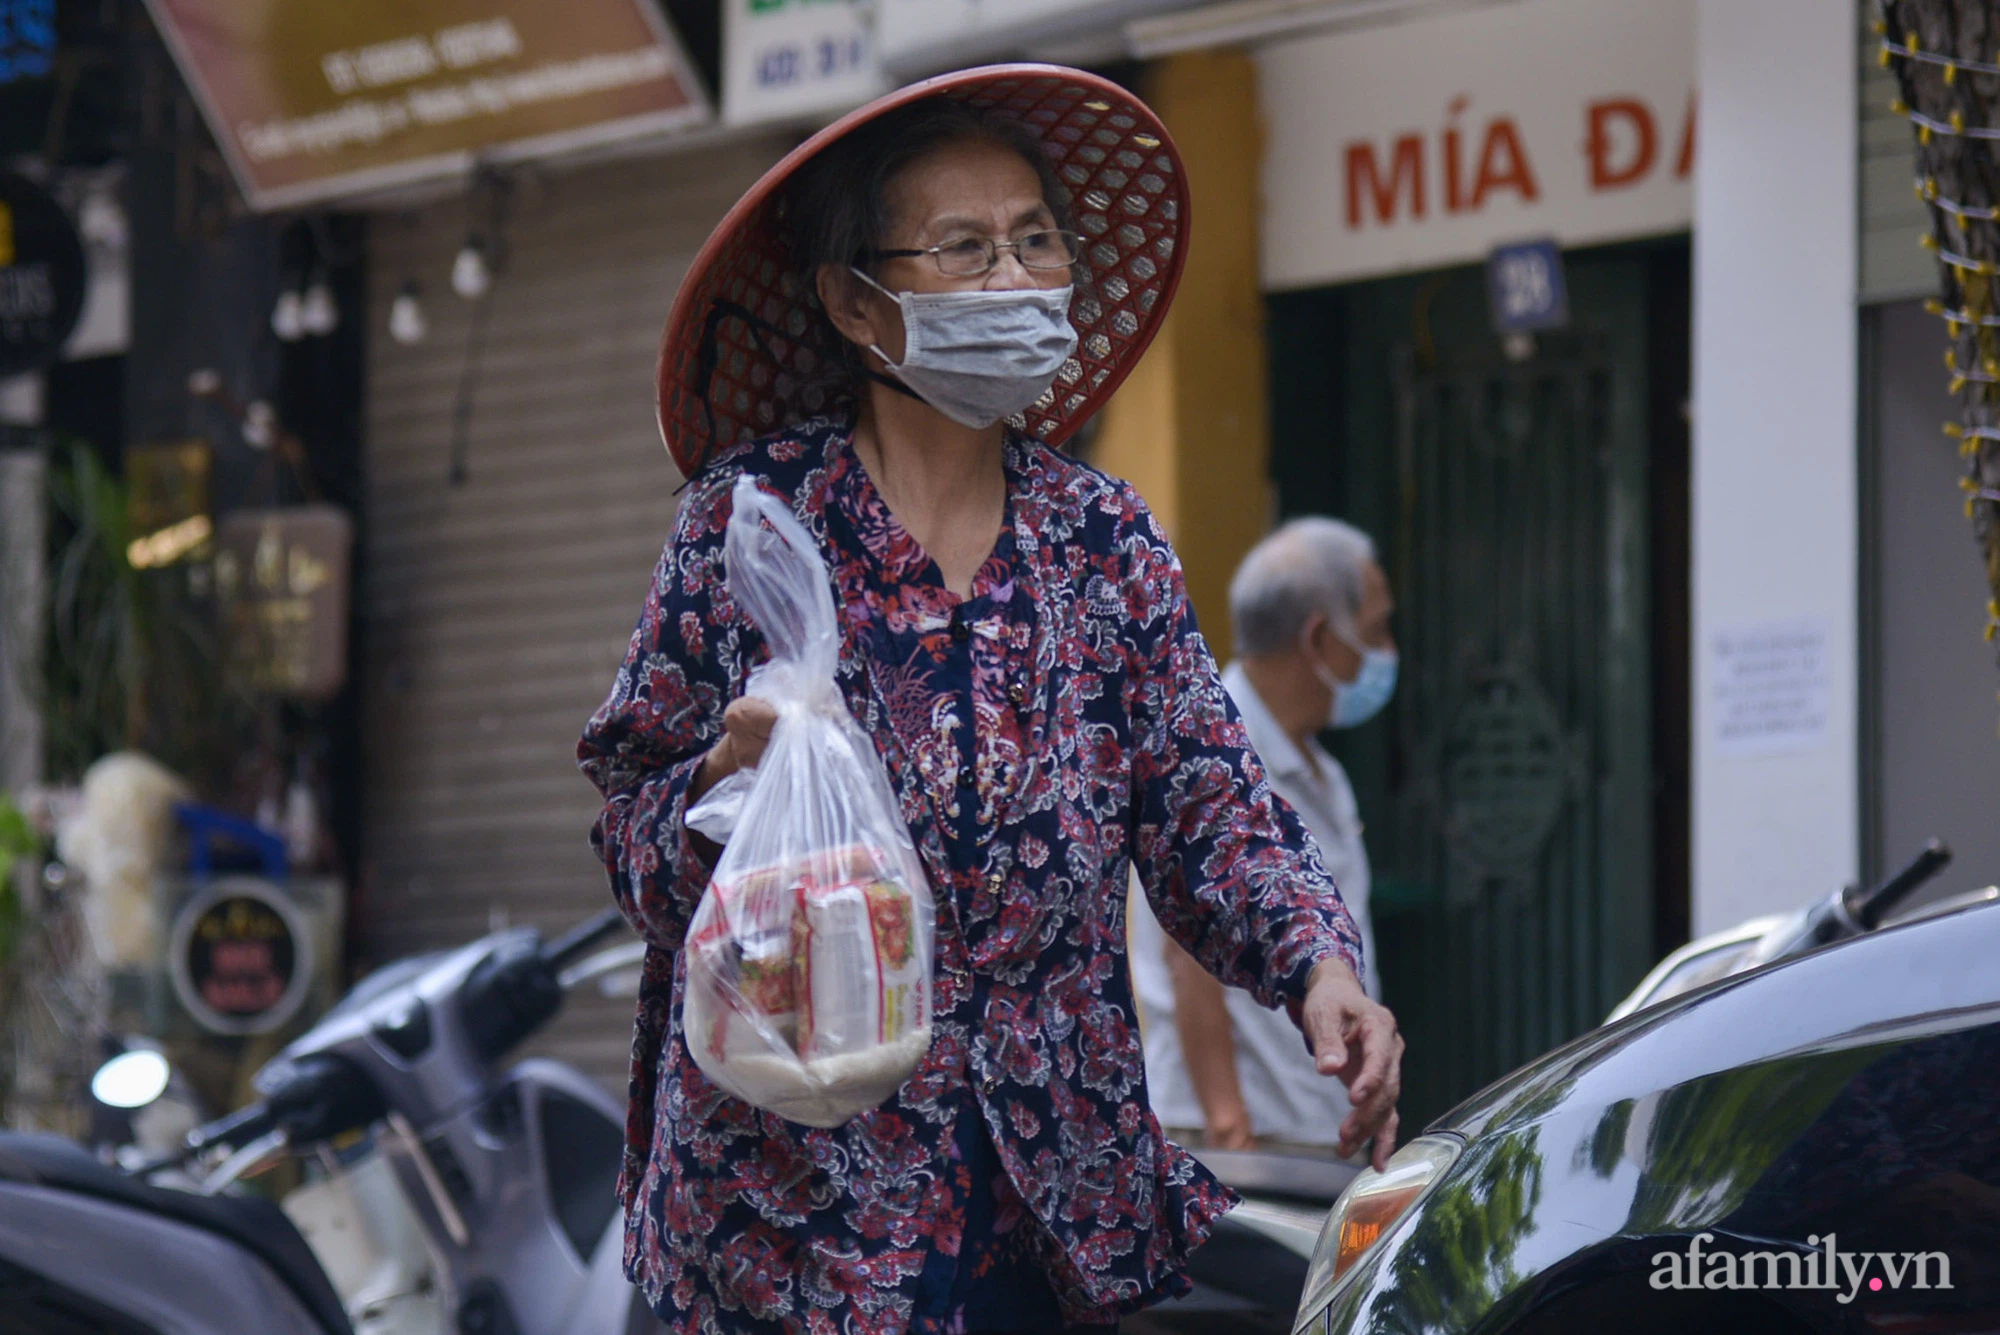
498,608
1526,794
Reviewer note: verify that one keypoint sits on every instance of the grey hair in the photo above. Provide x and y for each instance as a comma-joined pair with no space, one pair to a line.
1309,566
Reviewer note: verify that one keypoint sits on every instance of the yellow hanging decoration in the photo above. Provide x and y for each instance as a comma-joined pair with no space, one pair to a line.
1950,75
1954,430
1957,383
1899,107
1957,121
1933,306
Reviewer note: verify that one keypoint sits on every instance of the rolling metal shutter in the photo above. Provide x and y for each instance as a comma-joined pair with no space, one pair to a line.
498,611
1893,266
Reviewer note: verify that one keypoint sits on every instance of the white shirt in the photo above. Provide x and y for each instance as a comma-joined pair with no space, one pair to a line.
1287,1097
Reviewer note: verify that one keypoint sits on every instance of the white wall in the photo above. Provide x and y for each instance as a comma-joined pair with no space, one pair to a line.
1775,543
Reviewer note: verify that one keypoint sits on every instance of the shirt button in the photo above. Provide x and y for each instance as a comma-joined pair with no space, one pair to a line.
989,1083
960,631
1017,693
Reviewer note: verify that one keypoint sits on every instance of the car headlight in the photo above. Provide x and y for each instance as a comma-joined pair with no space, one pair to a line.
1369,1208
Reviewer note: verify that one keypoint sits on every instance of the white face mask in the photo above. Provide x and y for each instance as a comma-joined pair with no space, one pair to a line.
978,357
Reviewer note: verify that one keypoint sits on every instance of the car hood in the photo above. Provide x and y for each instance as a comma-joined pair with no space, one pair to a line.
1929,976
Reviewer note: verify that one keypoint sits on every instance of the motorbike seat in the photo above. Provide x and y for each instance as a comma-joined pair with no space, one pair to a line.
251,1222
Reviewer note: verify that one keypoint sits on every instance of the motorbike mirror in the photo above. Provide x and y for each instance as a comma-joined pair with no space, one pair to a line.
131,1079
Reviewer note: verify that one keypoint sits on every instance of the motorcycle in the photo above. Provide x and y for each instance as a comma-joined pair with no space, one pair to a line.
442,1191
1846,913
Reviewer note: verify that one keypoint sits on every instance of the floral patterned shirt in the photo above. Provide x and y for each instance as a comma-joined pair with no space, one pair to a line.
1063,722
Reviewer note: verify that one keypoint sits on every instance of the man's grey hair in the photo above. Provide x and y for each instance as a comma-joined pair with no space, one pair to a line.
1311,566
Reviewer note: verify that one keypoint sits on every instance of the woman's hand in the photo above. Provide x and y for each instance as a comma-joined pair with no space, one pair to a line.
746,731
1355,1039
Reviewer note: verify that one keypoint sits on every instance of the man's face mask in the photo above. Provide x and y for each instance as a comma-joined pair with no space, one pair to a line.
978,357
1357,701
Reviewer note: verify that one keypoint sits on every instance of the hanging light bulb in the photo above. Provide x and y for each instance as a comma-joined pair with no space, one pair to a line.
406,316
288,316
318,313
470,275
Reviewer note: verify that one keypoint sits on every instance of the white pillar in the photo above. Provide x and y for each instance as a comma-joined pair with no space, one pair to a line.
1775,547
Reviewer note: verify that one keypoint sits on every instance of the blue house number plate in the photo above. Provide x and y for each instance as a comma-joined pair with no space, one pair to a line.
1525,288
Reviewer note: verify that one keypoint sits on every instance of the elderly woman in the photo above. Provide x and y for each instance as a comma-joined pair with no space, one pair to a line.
879,333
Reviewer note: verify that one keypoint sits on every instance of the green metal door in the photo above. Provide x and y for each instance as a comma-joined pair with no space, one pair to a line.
1507,790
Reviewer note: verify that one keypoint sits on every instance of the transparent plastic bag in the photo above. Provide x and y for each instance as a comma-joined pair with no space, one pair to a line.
809,957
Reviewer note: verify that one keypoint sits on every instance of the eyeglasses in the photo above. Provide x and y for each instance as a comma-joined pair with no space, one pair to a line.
1051,248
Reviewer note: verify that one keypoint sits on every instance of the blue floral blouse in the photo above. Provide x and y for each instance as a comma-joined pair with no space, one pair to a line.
1062,722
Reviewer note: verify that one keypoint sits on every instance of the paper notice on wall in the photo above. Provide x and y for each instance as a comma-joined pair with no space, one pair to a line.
1771,687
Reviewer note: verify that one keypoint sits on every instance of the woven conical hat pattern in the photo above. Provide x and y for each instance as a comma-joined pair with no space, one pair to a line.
739,361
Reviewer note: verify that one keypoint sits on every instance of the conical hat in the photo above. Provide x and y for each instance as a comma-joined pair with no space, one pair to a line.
739,361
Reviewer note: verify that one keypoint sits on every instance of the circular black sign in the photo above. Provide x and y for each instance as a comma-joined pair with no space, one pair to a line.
240,963
41,276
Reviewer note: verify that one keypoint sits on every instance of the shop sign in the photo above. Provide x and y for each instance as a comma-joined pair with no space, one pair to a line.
42,275
315,101
796,58
915,33
281,579
1429,142
242,960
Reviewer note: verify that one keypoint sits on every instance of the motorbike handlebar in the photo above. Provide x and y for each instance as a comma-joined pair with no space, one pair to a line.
583,938
238,1129
1870,908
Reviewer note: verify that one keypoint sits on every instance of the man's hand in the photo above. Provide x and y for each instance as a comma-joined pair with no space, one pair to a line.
1208,1049
1229,1129
1355,1039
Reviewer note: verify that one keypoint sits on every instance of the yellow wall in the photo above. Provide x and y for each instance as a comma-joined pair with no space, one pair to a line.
1191,427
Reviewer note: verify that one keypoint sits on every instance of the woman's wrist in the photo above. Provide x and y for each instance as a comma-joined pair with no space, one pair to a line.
1333,966
717,765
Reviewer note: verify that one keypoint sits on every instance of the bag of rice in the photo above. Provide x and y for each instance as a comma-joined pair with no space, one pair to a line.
810,954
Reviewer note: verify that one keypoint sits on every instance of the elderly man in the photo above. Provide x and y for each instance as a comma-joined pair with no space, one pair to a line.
1310,605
